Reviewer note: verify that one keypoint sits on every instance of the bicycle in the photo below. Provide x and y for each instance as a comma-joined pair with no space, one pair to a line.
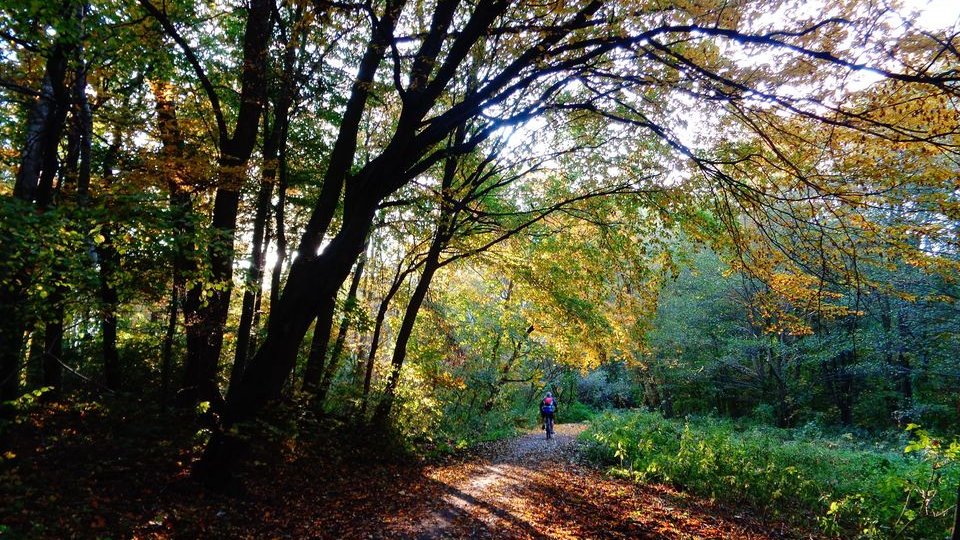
548,425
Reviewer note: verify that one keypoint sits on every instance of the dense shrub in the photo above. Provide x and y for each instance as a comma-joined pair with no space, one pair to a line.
851,487
601,391
577,412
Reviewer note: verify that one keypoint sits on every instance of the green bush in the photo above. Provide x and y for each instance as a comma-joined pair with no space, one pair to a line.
853,488
607,387
576,412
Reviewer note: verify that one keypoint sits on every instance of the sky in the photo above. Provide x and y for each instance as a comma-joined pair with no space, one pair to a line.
937,14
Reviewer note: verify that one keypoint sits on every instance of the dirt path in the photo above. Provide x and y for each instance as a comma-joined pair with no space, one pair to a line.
530,487
486,495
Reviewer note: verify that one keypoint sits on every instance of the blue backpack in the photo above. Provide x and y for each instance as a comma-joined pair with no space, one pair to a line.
548,406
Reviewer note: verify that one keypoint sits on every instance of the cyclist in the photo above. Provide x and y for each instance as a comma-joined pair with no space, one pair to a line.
548,407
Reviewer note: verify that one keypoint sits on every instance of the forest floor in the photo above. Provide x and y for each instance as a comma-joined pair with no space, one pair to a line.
86,474
531,487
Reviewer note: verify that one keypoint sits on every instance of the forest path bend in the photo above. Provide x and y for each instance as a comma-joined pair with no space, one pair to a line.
531,487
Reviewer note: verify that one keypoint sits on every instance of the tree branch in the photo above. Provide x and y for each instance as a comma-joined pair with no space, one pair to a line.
194,61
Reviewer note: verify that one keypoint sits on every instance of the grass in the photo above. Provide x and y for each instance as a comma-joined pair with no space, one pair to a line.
851,487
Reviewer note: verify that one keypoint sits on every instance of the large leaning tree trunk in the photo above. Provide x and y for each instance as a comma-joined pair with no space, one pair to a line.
316,277
296,307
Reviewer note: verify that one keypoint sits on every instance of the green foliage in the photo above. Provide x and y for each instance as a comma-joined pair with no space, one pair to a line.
607,387
14,411
852,487
776,321
575,413
29,400
717,345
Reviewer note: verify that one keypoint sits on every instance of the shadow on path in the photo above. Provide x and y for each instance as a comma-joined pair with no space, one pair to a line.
529,487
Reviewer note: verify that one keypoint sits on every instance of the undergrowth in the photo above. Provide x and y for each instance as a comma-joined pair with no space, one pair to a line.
458,432
851,487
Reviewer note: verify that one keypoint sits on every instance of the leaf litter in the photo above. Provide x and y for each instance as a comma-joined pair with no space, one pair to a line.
94,476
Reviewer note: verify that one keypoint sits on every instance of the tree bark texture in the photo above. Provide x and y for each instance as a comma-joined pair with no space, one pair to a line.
319,344
45,123
184,263
375,341
109,265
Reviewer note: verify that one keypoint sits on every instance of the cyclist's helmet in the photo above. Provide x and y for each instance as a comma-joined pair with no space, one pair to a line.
549,394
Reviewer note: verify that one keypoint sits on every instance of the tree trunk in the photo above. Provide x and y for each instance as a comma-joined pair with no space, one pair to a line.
184,253
316,277
205,334
330,370
844,388
109,264
109,260
84,121
406,330
38,165
12,329
181,210
53,349
44,128
904,369
375,342
166,359
296,308
258,299
313,372
35,357
279,213
431,263
430,266
274,157
254,277
76,168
